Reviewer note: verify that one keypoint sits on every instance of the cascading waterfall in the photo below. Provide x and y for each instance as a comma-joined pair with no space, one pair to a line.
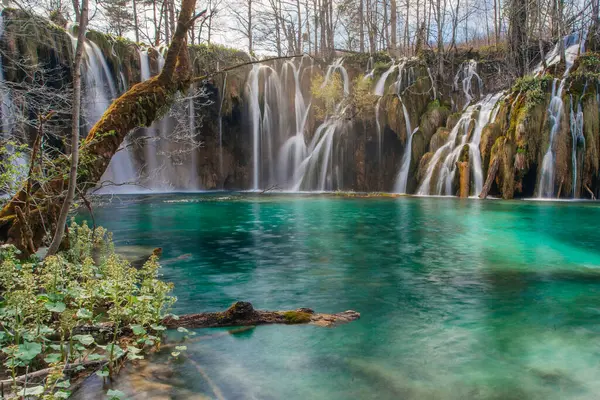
316,170
555,110
7,105
578,139
402,179
379,91
7,110
222,98
465,75
99,91
445,157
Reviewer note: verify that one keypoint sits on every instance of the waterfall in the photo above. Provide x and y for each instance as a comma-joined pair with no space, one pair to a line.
380,86
379,91
577,138
221,126
555,111
370,71
192,132
445,157
98,93
6,108
466,72
402,179
8,117
316,170
255,115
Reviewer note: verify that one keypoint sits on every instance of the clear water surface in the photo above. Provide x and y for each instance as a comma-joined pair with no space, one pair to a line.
460,299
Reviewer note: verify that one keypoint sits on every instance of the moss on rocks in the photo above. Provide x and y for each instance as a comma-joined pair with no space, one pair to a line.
296,317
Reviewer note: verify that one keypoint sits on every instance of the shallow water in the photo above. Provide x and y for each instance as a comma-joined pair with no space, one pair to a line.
460,299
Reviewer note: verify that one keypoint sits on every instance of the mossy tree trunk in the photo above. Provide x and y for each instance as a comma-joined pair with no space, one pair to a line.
31,214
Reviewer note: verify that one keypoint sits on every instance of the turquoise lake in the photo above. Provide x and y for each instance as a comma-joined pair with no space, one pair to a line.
459,299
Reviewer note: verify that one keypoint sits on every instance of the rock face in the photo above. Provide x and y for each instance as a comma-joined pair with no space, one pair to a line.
311,125
243,313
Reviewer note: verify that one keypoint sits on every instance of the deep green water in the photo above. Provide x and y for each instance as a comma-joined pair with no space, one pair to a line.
459,299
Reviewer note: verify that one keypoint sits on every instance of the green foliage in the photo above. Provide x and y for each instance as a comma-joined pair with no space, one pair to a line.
47,303
361,59
296,317
329,94
381,67
362,97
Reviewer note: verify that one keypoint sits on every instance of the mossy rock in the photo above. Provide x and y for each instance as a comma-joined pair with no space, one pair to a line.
490,133
439,139
453,120
296,317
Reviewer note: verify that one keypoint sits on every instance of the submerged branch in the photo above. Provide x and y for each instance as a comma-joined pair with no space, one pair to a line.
243,314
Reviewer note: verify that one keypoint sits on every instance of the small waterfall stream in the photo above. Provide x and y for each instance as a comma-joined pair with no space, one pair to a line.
555,111
464,78
445,158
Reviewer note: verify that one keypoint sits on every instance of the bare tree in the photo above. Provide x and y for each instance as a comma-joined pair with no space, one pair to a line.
68,201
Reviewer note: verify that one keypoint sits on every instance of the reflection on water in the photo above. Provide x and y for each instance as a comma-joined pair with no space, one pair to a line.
459,299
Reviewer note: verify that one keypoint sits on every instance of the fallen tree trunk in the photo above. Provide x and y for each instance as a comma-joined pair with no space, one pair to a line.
490,178
243,314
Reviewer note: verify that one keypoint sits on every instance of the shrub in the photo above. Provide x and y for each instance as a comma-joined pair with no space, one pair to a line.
52,311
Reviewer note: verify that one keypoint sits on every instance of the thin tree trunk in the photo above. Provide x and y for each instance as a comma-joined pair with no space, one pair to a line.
540,32
165,14
496,29
361,26
68,201
386,34
136,26
299,40
308,26
249,33
393,27
406,23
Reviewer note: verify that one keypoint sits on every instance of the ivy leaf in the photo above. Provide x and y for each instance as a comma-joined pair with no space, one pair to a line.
64,384
103,373
82,313
28,351
180,348
95,357
115,394
138,330
56,307
32,391
62,394
175,354
158,327
53,358
85,340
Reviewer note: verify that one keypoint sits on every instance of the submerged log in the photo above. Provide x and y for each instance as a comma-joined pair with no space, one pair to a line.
490,178
243,313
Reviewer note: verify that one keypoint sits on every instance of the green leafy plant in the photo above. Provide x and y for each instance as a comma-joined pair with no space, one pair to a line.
54,311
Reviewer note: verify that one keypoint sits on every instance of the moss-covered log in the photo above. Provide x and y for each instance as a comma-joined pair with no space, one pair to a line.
139,106
243,314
